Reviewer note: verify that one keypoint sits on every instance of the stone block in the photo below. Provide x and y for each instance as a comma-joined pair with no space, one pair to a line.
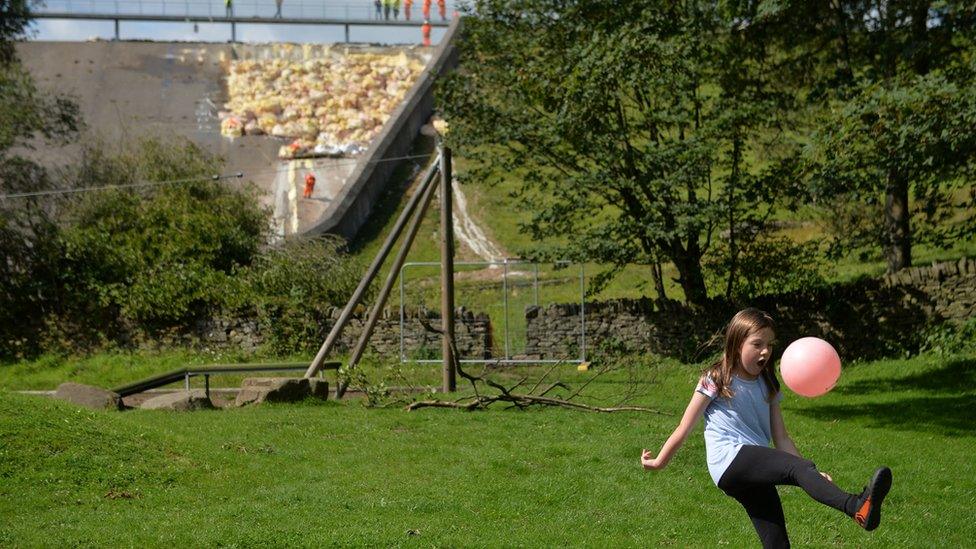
255,390
181,401
88,396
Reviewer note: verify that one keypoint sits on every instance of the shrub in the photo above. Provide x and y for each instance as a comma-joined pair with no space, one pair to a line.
949,338
295,286
768,264
158,257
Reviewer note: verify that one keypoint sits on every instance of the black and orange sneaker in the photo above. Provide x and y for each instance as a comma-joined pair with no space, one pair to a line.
868,514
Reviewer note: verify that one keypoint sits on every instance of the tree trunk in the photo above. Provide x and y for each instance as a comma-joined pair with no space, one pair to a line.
920,58
690,277
897,229
733,183
658,277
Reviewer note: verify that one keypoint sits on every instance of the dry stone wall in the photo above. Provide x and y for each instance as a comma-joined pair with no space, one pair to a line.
472,331
866,318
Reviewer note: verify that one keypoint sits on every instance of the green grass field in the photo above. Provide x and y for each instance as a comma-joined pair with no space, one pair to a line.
331,473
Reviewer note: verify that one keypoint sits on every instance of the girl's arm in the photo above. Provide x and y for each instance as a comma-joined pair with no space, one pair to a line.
692,413
781,438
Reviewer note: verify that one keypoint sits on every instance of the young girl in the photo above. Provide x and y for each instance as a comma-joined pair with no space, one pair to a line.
739,396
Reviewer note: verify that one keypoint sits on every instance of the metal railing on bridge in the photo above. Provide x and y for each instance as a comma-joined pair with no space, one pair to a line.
363,10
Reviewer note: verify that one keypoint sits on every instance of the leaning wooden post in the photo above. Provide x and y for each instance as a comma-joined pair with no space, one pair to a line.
371,272
377,309
447,271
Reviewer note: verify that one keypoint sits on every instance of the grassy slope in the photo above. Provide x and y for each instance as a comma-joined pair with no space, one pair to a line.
341,474
483,292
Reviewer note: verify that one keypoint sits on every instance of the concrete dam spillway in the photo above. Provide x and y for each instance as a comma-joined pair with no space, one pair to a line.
129,90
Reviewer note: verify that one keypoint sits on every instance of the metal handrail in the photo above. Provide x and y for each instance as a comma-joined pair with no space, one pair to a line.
292,9
216,369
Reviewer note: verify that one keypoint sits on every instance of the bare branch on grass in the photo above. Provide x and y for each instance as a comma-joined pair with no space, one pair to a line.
507,394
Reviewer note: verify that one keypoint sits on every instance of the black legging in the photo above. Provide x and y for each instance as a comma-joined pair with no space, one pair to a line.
752,478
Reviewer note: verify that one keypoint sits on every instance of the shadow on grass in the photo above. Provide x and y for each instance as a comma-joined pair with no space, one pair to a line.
955,377
949,415
945,410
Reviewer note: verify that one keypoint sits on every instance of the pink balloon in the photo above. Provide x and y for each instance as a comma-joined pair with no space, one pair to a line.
810,366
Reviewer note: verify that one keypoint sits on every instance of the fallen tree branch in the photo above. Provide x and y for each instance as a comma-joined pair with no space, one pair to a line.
520,400
526,400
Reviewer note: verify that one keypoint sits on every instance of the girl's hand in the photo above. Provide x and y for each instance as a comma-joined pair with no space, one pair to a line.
826,476
650,462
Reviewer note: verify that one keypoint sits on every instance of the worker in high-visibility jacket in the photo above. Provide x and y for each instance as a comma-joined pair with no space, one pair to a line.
442,10
425,32
229,7
407,4
309,185
396,9
426,10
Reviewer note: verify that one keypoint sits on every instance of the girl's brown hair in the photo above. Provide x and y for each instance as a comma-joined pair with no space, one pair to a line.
745,323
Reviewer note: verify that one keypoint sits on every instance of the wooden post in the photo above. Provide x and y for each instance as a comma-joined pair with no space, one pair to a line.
447,271
377,309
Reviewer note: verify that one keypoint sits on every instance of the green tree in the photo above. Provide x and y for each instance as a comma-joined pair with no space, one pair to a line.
641,132
893,80
14,18
895,137
161,256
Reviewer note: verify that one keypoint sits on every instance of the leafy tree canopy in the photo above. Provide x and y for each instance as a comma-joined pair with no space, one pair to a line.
895,81
28,249
14,17
897,137
162,256
640,131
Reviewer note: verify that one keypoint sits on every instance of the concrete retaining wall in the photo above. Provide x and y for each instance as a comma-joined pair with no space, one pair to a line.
352,207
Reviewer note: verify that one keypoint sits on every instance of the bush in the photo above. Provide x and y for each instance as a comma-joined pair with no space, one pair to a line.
948,338
294,288
768,264
125,265
155,258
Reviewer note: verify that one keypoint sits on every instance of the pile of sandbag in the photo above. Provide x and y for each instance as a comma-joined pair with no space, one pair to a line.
332,105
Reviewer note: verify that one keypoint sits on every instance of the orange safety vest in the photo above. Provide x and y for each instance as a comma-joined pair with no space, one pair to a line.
309,185
425,31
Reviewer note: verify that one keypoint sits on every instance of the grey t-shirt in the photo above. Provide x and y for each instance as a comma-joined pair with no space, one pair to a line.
731,423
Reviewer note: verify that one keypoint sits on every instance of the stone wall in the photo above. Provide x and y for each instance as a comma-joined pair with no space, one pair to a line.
866,318
863,319
473,333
